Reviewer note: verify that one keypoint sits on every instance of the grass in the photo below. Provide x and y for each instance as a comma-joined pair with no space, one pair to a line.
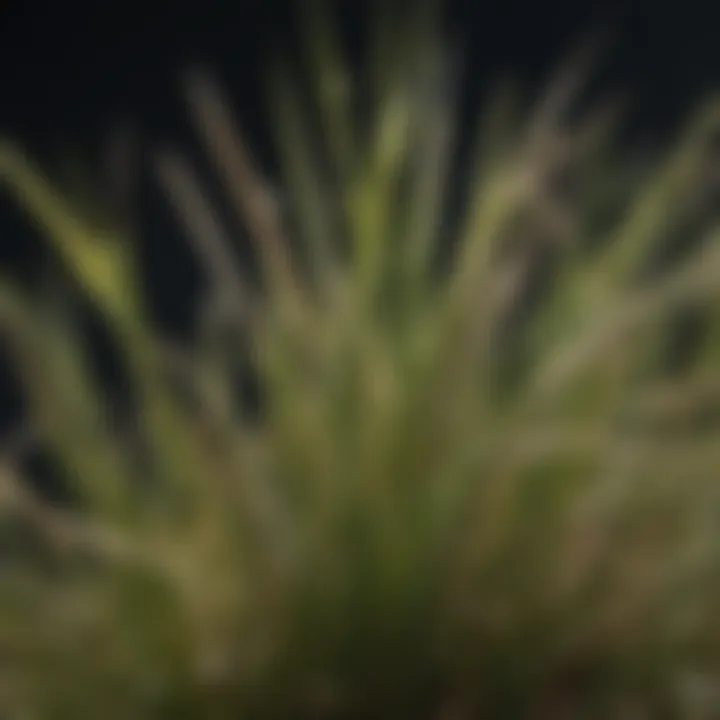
483,491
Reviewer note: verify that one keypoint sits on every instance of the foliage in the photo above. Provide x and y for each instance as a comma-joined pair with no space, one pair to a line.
482,490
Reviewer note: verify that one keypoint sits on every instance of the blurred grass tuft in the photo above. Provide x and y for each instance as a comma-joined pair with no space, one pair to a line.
477,493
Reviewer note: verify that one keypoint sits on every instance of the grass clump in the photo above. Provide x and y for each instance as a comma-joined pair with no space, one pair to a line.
479,491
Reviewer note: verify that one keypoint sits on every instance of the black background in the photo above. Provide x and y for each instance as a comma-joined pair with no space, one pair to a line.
70,70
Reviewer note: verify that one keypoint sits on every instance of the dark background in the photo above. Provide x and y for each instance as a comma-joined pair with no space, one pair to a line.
70,73
70,70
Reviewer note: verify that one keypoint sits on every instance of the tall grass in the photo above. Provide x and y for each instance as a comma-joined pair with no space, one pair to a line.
477,492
